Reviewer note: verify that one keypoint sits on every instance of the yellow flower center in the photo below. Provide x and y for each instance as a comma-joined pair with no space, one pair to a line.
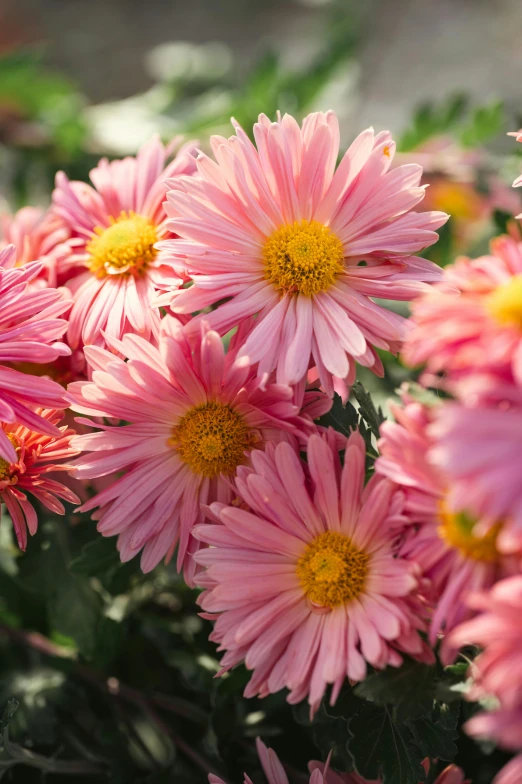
5,465
457,530
332,570
505,304
123,248
211,439
303,258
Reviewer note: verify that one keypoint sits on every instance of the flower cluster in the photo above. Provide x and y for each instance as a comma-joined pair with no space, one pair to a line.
205,310
458,462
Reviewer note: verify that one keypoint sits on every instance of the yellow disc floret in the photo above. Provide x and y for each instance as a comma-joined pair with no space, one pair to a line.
332,570
123,248
458,531
5,465
505,304
211,439
303,258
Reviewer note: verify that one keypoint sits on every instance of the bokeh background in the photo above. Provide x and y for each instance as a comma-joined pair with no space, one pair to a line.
107,72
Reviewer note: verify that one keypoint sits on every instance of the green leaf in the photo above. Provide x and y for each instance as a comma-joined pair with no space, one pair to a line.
408,690
344,419
434,734
421,395
97,557
9,711
501,220
432,120
372,416
380,746
73,607
110,636
74,610
486,122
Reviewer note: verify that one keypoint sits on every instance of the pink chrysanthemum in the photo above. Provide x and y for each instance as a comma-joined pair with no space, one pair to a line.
117,225
29,330
39,235
319,772
36,455
518,181
497,671
450,775
455,550
479,445
282,234
305,587
510,773
473,321
192,417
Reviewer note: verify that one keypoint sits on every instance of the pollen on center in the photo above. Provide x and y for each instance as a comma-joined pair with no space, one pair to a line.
123,248
458,530
212,439
505,303
304,257
332,571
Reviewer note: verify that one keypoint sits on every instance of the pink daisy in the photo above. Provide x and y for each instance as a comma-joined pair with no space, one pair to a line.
280,233
450,775
455,550
116,226
319,772
29,330
39,235
192,416
478,444
518,136
305,587
497,671
473,321
510,773
36,455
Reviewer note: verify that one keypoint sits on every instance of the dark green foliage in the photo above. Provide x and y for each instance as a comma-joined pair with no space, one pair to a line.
107,675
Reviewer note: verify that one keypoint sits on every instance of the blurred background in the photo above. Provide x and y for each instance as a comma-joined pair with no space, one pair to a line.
98,76
81,79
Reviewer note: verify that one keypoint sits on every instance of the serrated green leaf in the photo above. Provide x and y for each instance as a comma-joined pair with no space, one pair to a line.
435,734
372,416
342,418
408,690
380,746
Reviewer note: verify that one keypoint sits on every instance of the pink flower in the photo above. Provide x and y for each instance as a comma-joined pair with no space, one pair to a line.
497,671
305,586
479,446
36,455
510,773
473,321
117,225
275,772
29,330
191,418
282,234
518,136
456,551
450,775
39,235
